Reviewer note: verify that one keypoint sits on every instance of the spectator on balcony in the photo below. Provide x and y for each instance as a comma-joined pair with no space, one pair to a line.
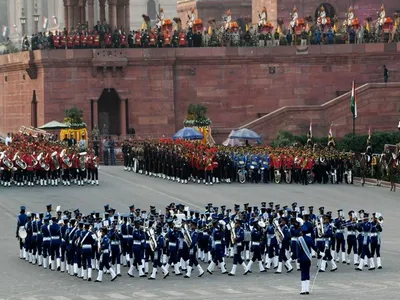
352,36
318,35
289,38
330,36
105,150
276,38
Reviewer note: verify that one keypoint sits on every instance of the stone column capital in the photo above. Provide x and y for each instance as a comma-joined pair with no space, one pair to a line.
71,2
90,2
112,2
102,2
81,3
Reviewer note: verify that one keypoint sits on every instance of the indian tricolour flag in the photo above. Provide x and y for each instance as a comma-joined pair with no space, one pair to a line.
45,22
4,30
55,21
330,134
310,130
353,101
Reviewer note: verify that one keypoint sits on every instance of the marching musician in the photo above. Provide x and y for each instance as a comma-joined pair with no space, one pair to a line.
28,238
65,165
55,234
46,241
263,17
217,247
21,221
365,227
351,238
173,235
77,252
228,19
105,256
238,248
381,16
285,243
271,244
306,246
87,242
138,237
325,243
294,233
376,230
339,236
294,17
256,246
63,246
193,251
93,166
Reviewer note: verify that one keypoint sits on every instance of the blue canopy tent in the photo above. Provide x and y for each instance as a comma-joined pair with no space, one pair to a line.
188,133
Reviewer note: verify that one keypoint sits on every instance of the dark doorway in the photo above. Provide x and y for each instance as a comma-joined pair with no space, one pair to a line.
34,110
329,9
109,111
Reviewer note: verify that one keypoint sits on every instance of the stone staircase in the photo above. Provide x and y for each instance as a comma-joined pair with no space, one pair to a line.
378,106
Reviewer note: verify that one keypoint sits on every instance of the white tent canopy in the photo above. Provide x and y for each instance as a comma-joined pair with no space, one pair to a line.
232,142
54,125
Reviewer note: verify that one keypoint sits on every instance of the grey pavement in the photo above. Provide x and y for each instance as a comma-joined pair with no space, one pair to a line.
20,280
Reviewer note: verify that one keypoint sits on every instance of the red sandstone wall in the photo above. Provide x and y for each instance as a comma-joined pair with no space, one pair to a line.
234,83
16,92
378,106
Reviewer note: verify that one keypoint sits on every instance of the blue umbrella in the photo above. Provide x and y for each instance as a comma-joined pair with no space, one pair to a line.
245,134
188,133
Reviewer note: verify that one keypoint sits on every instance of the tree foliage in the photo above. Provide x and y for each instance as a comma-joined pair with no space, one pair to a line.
74,117
196,116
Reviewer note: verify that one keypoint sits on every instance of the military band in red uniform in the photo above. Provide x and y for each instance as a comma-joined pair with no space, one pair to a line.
29,161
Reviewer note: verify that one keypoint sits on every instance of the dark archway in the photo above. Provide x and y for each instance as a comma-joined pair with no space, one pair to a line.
109,111
329,9
34,121
151,10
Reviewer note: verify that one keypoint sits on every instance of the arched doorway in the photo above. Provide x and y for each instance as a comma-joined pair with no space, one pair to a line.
109,111
329,9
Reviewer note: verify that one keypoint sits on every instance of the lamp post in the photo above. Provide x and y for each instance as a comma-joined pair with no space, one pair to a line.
23,22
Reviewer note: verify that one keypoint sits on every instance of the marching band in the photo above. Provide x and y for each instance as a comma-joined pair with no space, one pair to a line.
271,234
33,162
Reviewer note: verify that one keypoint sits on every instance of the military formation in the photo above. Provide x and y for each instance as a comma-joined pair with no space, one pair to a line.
186,161
30,161
149,243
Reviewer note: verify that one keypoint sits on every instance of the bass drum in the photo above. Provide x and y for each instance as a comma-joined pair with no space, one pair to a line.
22,232
288,176
277,176
310,177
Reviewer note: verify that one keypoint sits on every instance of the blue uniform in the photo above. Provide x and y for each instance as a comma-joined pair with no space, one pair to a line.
46,240
339,235
105,253
272,243
304,259
21,221
351,240
376,230
256,244
115,241
87,242
238,246
55,234
193,249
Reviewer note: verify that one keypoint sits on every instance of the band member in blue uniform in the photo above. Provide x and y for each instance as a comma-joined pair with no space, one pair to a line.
35,229
376,231
327,238
351,238
339,236
21,221
70,246
63,246
173,238
77,252
365,252
115,240
256,235
105,256
193,251
284,247
217,237
55,245
158,252
87,242
28,239
237,248
306,244
46,242
138,237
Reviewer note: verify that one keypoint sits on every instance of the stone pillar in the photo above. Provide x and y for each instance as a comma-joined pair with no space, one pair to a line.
127,17
71,12
112,10
120,15
29,11
90,7
66,14
102,4
77,15
123,116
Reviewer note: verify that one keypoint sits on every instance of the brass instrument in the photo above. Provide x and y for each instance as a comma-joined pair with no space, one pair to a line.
379,218
54,158
186,235
152,238
231,227
96,165
34,161
278,230
19,162
82,161
42,162
320,227
65,158
6,161
277,176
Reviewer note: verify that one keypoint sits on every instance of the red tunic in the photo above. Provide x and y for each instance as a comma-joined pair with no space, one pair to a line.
138,39
83,40
208,162
310,163
96,41
152,39
70,42
278,163
90,40
167,39
63,41
123,40
56,41
182,39
107,39
76,40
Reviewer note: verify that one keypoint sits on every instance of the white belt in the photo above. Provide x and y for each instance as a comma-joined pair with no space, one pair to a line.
34,234
308,234
239,244
147,242
137,242
255,243
172,244
86,246
320,240
339,231
62,240
115,243
125,236
104,251
46,239
217,242
351,233
294,239
270,236
373,234
204,233
55,237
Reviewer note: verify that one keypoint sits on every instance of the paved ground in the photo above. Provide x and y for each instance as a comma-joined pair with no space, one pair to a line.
21,280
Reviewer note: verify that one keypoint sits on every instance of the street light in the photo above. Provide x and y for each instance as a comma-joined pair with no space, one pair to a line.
36,20
23,22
